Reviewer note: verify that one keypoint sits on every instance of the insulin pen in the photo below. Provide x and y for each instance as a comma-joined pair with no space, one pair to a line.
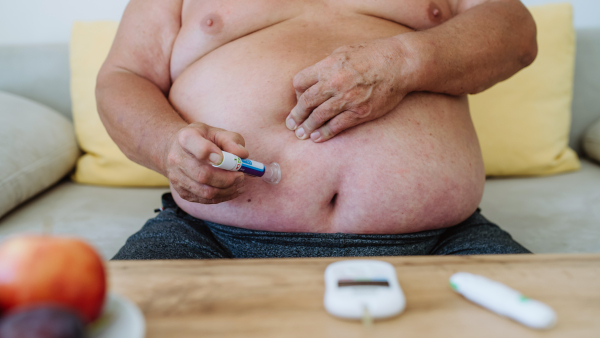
503,300
270,173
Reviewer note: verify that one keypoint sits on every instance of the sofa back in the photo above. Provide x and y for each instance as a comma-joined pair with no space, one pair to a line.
41,73
38,72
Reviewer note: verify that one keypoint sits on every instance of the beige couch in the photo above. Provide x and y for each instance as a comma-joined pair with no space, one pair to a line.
547,214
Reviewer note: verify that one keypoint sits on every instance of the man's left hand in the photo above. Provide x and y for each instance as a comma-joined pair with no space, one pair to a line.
355,84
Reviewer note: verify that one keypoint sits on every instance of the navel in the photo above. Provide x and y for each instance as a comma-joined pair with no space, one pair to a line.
211,24
333,199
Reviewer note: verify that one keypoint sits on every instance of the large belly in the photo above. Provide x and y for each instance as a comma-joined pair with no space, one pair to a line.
419,167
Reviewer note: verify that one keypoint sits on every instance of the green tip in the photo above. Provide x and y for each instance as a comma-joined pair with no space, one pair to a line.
453,286
523,298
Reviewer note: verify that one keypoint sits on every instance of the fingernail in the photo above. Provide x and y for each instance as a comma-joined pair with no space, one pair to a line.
241,190
215,158
315,136
291,125
300,133
239,180
241,146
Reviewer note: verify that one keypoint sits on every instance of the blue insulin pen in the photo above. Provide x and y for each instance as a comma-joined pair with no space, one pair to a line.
270,173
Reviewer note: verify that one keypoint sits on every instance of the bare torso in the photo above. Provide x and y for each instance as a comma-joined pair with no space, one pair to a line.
418,167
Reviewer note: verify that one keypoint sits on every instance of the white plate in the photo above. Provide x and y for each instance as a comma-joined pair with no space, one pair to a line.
120,318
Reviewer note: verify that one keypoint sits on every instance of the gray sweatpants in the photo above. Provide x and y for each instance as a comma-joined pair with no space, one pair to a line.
174,234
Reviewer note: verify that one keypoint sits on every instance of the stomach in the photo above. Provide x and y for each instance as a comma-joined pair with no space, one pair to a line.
419,167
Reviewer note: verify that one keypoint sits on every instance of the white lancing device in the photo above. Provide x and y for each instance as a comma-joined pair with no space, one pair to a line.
503,300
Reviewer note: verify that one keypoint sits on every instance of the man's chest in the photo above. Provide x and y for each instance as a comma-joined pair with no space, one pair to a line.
416,14
208,25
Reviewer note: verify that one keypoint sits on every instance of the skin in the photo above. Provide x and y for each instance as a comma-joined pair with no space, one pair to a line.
166,102
357,83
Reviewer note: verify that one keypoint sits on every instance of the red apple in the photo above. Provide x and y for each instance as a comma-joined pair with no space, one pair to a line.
48,269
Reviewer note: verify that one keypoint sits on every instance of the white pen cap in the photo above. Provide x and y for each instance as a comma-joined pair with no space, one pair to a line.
503,300
230,162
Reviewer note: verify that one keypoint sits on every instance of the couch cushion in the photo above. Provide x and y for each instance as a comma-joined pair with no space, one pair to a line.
591,141
104,216
39,73
523,122
103,163
554,214
38,149
586,101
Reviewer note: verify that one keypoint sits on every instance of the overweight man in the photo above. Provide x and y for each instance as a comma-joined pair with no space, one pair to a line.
361,102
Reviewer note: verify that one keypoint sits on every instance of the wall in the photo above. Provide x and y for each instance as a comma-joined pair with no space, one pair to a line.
49,21
586,12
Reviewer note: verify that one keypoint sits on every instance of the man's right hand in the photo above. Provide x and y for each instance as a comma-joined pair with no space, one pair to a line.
188,164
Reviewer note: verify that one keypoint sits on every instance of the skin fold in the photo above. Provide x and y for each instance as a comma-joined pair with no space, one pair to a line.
362,103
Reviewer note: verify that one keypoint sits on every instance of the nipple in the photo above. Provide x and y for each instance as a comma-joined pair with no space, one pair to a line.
435,15
211,24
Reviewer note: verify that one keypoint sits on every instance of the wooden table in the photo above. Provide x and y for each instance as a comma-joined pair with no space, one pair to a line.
284,297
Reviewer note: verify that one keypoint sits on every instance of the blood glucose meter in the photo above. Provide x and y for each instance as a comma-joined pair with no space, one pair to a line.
356,289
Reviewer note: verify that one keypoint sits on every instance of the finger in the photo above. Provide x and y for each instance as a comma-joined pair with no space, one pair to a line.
186,195
305,79
190,197
223,179
218,200
192,141
214,177
335,126
229,141
206,192
309,101
318,117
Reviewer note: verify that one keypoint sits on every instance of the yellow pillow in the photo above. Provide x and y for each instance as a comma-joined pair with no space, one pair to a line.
523,123
102,163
